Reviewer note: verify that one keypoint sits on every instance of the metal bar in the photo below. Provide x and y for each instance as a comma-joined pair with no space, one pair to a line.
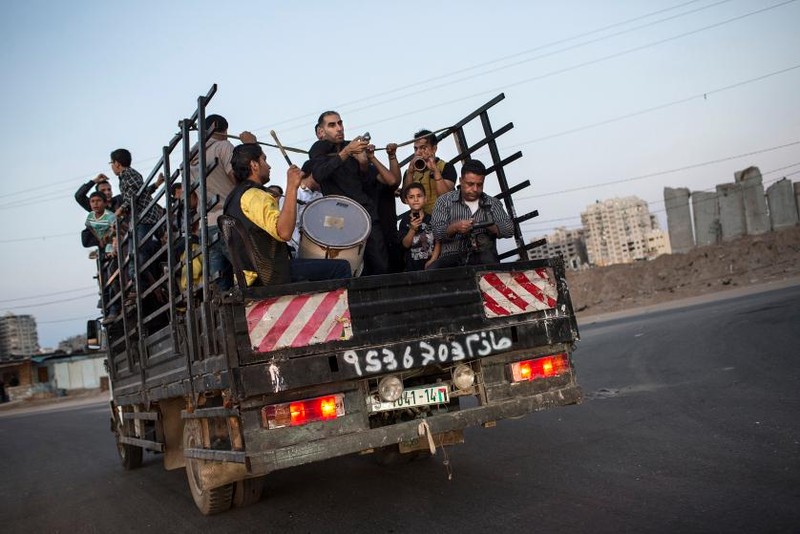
191,326
489,137
220,456
529,215
208,338
520,250
148,416
501,178
511,190
143,443
204,413
171,241
510,159
478,111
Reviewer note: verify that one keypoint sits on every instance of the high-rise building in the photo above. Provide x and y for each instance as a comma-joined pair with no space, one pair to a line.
18,335
567,243
622,230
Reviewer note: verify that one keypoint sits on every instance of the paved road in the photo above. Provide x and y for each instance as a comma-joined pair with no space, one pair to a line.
691,424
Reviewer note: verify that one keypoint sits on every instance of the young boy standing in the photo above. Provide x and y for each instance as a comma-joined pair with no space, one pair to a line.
416,232
100,221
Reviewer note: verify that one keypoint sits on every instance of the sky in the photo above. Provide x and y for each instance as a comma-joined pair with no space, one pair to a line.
608,99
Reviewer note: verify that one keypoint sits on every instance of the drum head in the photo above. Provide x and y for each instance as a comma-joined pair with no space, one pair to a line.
336,221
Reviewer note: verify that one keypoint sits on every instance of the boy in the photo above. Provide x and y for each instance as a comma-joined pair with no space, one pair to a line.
416,232
100,222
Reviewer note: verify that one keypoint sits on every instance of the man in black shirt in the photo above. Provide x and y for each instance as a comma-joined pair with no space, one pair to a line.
350,169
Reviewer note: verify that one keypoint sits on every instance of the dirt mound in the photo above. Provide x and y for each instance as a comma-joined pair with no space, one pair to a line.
745,261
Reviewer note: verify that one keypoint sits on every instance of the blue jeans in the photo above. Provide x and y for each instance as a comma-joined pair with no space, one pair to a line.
311,270
219,261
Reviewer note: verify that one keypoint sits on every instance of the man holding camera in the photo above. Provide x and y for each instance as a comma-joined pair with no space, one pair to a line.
436,176
468,222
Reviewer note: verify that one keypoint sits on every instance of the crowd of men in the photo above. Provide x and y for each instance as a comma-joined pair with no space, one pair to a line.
445,226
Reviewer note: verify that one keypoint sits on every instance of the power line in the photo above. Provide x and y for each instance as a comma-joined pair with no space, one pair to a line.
48,294
659,107
42,237
660,173
427,81
571,67
51,302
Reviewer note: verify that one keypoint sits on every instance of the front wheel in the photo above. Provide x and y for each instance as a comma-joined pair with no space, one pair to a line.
130,455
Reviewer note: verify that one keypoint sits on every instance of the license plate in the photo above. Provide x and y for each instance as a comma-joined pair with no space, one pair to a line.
424,396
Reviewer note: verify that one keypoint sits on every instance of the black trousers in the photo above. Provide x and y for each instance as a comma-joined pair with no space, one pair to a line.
376,257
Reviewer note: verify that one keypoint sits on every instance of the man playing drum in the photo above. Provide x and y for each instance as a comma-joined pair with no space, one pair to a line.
270,227
350,169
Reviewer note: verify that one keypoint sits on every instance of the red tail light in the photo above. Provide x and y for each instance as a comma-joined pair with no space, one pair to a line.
545,367
303,411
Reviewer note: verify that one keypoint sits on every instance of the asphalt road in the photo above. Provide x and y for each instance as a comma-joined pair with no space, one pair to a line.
691,423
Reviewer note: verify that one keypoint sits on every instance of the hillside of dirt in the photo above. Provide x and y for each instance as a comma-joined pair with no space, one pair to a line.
746,261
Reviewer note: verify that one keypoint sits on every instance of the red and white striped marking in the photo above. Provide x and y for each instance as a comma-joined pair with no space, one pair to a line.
514,293
298,320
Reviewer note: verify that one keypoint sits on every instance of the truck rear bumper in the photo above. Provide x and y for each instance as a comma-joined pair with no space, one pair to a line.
261,463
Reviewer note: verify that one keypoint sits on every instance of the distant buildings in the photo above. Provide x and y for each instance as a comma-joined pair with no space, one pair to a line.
569,244
618,230
18,335
622,230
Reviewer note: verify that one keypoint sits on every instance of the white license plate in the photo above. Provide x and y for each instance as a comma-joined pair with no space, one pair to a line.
424,396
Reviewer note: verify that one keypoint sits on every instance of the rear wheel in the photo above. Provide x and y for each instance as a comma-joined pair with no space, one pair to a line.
247,491
208,501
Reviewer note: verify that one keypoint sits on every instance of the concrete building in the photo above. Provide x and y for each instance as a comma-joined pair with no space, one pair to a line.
18,335
679,219
705,210
569,244
756,216
622,230
782,204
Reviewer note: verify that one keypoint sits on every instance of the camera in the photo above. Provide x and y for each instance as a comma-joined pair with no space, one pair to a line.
420,165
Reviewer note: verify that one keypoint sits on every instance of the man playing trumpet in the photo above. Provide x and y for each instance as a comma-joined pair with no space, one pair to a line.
436,176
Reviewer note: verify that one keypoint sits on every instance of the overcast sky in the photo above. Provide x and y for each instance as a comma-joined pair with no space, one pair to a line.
608,99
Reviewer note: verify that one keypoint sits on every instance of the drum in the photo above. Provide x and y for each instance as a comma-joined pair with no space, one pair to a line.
335,227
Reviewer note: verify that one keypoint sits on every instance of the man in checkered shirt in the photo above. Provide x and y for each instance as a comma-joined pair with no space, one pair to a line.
130,181
467,222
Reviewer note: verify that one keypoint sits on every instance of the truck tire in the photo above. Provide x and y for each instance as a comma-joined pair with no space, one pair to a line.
247,492
131,456
208,501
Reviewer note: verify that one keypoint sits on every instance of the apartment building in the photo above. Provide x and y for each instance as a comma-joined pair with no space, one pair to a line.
18,335
567,243
622,230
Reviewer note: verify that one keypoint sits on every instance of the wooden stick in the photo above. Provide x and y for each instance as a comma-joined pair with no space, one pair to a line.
280,147
287,148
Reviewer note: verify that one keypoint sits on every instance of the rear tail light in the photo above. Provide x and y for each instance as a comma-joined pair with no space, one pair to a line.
303,411
545,367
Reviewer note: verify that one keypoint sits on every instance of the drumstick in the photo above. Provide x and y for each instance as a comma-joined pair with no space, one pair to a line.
280,147
287,148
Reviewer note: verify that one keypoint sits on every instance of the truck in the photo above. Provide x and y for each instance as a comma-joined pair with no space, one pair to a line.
233,385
